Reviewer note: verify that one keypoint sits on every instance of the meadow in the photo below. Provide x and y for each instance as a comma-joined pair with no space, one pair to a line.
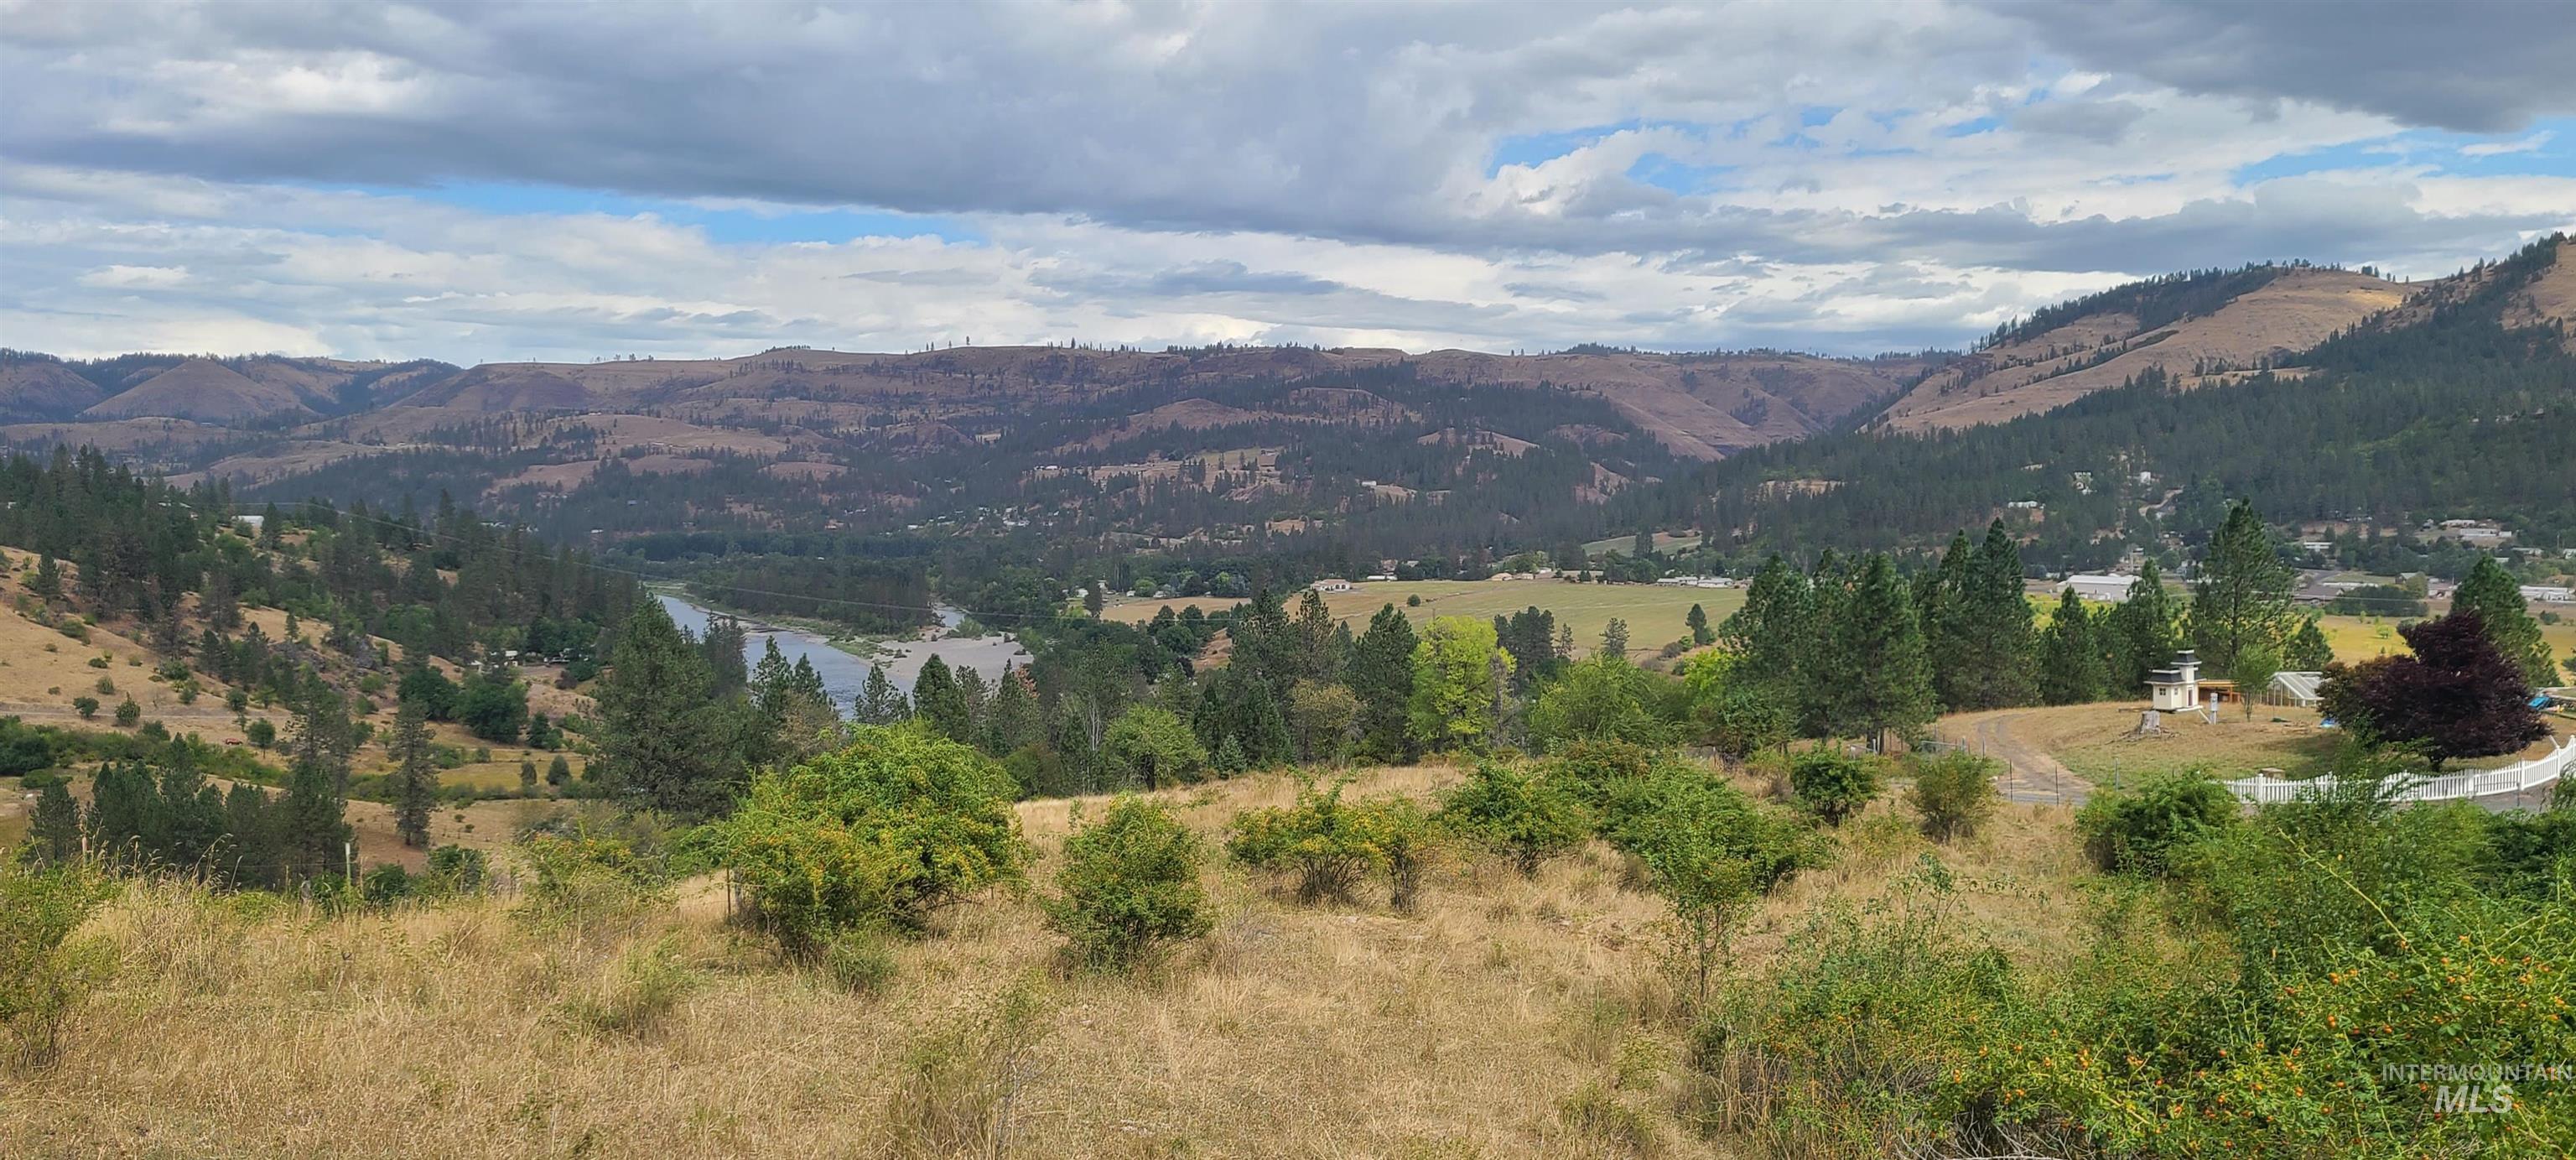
1656,613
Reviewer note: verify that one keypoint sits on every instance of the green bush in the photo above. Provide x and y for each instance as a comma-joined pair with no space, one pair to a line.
2136,831
386,884
636,993
1833,785
454,869
1528,819
898,824
584,884
1953,792
1327,844
86,706
128,713
1593,771
1129,884
43,972
1710,851
857,962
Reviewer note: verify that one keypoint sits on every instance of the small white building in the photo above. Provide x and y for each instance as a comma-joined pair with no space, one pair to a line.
2108,587
1331,584
2295,689
2548,594
2177,689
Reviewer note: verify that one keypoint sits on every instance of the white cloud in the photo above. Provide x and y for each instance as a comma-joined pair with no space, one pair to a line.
403,180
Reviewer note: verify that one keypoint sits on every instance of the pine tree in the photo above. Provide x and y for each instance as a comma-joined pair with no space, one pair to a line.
1776,628
770,681
312,829
939,703
2309,651
1614,638
1094,600
1697,621
1012,722
2072,670
2243,596
250,822
723,647
415,776
1882,675
48,582
1314,628
1982,625
558,772
1380,674
880,702
654,706
2491,592
55,829
2143,631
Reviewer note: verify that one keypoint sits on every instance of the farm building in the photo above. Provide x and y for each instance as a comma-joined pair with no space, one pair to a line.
1331,585
2297,690
2108,587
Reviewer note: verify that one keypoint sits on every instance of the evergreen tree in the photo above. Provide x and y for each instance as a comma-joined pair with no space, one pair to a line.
415,776
323,737
2309,651
939,703
558,772
1012,722
1614,637
312,828
1697,621
255,858
1776,627
48,582
880,702
2243,596
654,706
2072,669
1314,628
1094,600
55,829
723,647
2144,631
1882,678
770,681
1380,674
1985,652
2491,592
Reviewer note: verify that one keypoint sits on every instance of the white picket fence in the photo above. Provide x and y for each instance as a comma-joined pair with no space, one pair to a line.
2476,783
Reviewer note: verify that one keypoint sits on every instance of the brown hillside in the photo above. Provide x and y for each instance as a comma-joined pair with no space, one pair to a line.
35,389
205,390
2270,325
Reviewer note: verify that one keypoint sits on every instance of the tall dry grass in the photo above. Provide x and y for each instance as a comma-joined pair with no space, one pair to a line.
1507,1016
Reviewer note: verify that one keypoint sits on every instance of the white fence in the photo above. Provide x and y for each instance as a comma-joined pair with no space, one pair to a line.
2476,783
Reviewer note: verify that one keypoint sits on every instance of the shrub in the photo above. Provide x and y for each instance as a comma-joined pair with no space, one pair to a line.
1151,747
856,961
99,663
1530,819
635,993
1833,785
1597,1113
897,825
1327,844
43,973
957,1088
86,706
1408,843
454,869
386,884
106,686
262,733
1710,850
1954,793
1593,771
2136,831
1129,883
128,713
581,884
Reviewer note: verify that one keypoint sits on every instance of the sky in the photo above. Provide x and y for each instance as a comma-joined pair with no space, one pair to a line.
565,181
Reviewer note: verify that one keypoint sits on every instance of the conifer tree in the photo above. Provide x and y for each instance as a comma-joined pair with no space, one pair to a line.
2308,651
1380,674
558,772
2492,593
48,581
2242,598
2143,630
311,825
55,829
415,776
654,706
1775,628
1982,625
1881,678
1697,622
250,823
2072,670
1614,638
879,701
1012,722
723,646
939,703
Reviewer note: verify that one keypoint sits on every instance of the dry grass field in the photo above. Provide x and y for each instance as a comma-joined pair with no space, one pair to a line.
242,1027
1655,612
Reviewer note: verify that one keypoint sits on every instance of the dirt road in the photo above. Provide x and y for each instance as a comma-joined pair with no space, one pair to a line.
2030,775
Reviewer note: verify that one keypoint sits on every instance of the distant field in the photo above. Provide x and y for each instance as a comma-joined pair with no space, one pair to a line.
1655,612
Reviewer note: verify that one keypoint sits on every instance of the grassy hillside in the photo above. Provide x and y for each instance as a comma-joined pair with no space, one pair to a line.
1655,612
1511,1016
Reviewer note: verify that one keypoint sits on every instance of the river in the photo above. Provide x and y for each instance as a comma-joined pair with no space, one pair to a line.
844,674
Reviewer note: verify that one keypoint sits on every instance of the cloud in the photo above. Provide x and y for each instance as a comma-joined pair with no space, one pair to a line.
542,180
